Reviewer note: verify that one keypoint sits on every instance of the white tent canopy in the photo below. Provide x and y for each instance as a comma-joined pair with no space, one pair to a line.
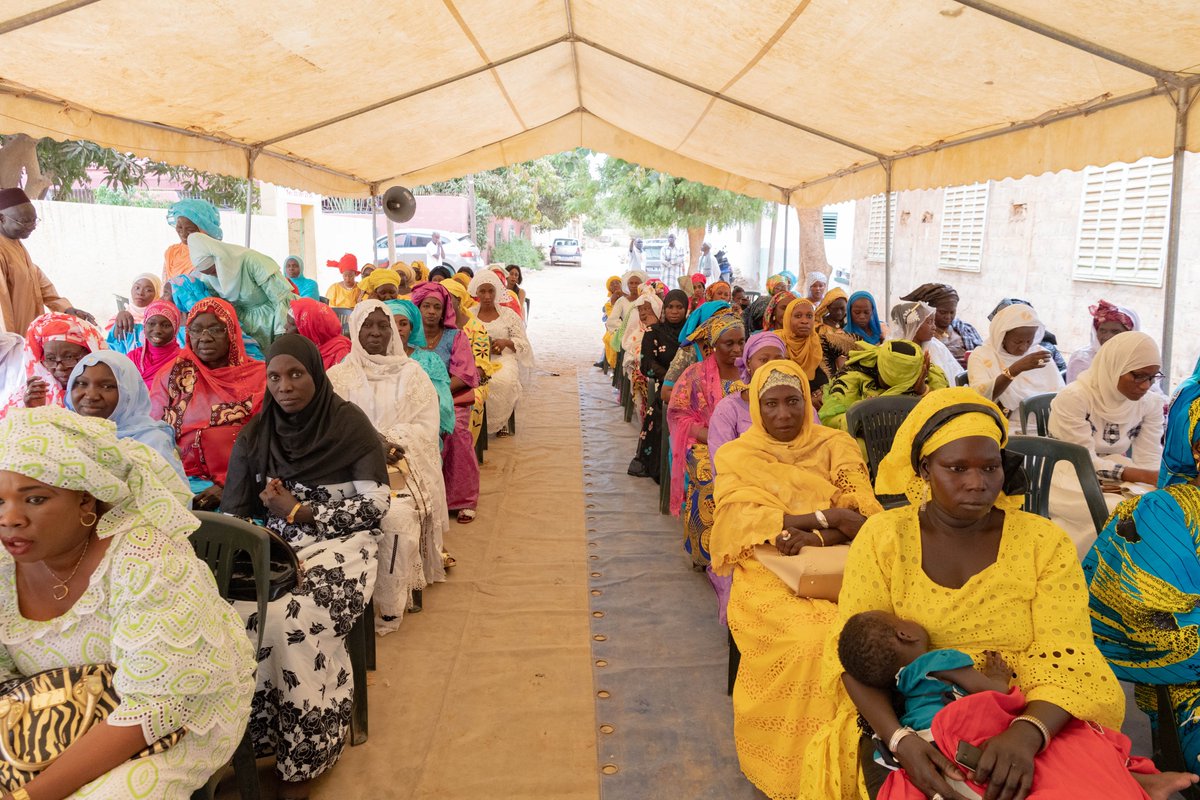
782,100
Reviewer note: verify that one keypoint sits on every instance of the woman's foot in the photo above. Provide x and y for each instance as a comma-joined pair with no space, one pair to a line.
448,560
466,516
1161,785
294,790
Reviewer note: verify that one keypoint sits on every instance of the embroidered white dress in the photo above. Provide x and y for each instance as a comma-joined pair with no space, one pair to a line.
515,372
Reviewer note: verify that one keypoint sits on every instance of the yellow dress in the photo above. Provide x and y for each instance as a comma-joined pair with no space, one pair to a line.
779,702
1031,605
341,297
481,349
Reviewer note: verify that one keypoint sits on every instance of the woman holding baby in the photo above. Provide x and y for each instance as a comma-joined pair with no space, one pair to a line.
964,563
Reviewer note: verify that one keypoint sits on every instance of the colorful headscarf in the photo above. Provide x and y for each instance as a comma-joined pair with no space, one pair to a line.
874,334
319,324
781,298
698,317
409,310
932,293
459,290
53,327
490,278
777,283
756,342
149,358
203,214
804,350
711,292
1105,311
1183,426
428,289
942,417
380,277
422,271
347,263
716,327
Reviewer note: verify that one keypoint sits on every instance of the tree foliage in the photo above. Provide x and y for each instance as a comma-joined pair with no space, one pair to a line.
654,201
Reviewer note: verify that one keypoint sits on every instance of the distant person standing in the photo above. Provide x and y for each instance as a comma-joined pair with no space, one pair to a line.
345,294
25,291
635,254
707,266
435,252
672,258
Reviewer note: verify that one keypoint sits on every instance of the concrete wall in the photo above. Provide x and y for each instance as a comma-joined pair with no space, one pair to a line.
1028,252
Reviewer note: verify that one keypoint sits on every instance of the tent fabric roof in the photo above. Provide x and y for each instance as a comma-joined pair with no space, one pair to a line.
784,100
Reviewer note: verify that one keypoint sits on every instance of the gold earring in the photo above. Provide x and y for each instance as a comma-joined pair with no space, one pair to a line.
93,521
926,493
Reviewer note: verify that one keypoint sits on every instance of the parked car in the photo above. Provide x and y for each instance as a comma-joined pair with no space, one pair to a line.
566,251
410,246
652,256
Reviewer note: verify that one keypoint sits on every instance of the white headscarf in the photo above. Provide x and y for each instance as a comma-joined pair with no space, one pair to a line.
907,319
363,366
1123,353
814,277
993,358
631,342
485,277
633,273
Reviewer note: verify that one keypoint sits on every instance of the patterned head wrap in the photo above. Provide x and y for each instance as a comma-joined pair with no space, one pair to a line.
53,327
777,377
716,327
201,212
1105,311
428,289
459,289
781,298
934,294
711,292
165,309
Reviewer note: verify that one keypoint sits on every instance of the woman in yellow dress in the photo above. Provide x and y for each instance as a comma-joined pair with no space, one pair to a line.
481,348
787,483
1002,580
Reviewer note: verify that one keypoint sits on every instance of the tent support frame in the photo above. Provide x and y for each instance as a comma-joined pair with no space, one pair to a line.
887,234
250,156
1182,100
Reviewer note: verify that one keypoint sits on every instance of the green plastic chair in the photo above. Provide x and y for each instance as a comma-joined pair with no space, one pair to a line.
217,541
1037,406
874,421
1041,455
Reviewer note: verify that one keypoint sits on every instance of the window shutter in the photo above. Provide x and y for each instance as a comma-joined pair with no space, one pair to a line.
1123,223
964,214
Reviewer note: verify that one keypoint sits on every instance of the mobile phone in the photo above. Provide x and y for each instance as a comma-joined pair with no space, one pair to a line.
968,755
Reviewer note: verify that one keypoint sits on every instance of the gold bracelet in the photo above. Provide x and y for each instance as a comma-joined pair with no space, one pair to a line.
19,793
1005,372
819,536
291,517
1037,723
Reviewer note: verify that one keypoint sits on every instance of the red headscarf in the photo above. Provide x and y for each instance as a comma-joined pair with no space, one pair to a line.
1105,311
53,327
148,358
319,324
347,263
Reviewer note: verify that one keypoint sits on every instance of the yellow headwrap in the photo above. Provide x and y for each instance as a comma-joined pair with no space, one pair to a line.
897,472
380,277
455,287
422,271
836,293
462,278
613,283
804,350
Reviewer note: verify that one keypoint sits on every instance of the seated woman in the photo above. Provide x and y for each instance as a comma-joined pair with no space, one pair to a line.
690,351
407,319
460,468
310,465
785,484
162,335
1048,341
645,312
775,313
959,336
659,345
1010,367
731,418
697,393
1003,580
346,293
246,279
1107,321
915,322
1179,462
819,356
319,324
1110,410
123,332
206,394
382,285
504,297
293,270
481,347
187,292
862,319
106,384
631,285
76,589
54,344
510,349
896,367
1142,576
720,290
831,320
514,280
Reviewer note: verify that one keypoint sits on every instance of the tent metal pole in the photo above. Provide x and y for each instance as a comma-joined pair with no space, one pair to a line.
1183,98
887,233
787,215
374,224
250,156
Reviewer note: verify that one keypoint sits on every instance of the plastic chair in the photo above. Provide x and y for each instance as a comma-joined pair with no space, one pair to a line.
875,421
1167,749
481,442
735,660
360,644
962,379
616,376
627,397
1038,406
218,540
664,465
1041,455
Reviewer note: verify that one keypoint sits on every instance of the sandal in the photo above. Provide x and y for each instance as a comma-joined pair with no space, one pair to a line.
448,560
466,516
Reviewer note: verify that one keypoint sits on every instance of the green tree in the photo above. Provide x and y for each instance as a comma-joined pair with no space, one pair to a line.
654,201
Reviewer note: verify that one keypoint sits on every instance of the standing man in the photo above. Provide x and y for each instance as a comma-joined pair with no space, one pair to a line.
672,259
707,265
25,291
635,254
435,252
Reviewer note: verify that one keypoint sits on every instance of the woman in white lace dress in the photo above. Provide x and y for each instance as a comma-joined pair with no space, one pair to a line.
510,348
400,401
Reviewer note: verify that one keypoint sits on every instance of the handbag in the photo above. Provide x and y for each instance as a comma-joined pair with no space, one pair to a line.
814,572
40,716
286,572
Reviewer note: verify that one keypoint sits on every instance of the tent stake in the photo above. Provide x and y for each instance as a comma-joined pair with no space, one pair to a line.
1182,100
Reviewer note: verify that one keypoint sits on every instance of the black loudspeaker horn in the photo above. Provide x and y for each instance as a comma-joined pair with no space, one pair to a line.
399,205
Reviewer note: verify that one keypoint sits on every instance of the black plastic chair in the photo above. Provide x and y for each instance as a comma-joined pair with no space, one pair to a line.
627,400
481,442
1037,406
217,541
961,379
1167,749
875,421
664,466
360,644
735,661
1041,455
616,376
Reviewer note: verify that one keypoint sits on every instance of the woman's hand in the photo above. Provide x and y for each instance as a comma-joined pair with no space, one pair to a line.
927,768
209,499
35,392
846,520
922,384
1006,766
792,540
278,500
500,345
393,452
1034,360
123,324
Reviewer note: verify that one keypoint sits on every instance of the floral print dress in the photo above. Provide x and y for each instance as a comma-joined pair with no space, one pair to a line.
302,705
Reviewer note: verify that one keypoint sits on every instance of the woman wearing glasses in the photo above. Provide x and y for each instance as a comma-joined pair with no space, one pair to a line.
1112,411
54,344
206,394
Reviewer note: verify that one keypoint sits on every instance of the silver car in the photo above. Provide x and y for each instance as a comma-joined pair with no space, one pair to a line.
410,247
566,251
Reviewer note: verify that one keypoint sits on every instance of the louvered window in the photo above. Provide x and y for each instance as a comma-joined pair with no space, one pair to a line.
1123,223
964,212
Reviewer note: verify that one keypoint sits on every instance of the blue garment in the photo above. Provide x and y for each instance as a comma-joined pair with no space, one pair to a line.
132,414
306,286
875,334
203,213
925,695
445,347
429,361
130,341
1178,464
407,308
701,315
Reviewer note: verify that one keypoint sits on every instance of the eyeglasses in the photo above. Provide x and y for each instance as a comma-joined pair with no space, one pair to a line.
34,220
1142,378
68,361
212,331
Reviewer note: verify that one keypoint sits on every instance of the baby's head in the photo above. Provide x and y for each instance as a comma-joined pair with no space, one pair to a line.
875,645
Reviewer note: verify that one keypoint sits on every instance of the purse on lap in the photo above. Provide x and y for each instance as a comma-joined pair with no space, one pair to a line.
40,716
814,572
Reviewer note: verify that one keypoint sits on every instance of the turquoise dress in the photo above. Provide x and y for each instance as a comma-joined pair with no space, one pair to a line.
435,368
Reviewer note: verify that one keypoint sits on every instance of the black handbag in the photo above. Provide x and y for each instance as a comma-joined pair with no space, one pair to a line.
286,572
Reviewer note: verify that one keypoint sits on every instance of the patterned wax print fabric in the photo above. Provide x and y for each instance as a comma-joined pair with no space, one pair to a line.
52,327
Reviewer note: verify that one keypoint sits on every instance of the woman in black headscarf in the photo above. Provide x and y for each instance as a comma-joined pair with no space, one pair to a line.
311,466
659,346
